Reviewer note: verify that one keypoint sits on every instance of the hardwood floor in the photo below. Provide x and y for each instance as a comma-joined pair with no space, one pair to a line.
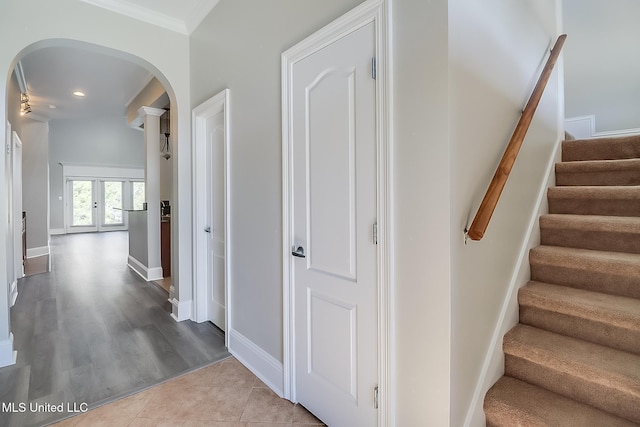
91,331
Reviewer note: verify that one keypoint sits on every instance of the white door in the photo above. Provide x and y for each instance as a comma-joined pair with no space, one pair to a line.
215,227
110,208
83,205
17,207
334,268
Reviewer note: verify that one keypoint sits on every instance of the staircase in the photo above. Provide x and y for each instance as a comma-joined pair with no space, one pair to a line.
574,358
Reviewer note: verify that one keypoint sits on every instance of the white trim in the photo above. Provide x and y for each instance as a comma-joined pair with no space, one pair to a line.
493,365
181,309
214,105
376,11
621,132
17,205
56,231
143,86
101,171
36,252
148,274
141,13
22,82
13,293
258,361
583,127
8,355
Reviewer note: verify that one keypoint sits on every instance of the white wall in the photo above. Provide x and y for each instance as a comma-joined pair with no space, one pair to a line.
106,141
239,46
35,183
28,25
602,62
422,270
497,49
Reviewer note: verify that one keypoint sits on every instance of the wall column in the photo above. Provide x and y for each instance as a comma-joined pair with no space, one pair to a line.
151,119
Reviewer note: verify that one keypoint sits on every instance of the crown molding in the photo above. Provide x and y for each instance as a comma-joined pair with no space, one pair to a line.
140,13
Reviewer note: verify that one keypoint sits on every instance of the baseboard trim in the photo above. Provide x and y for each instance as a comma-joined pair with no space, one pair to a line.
13,293
8,355
583,127
148,274
262,364
493,365
36,252
181,309
56,231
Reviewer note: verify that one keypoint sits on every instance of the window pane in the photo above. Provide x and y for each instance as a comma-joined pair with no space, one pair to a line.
138,195
113,203
82,203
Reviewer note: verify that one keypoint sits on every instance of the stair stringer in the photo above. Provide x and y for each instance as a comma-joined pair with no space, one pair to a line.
493,365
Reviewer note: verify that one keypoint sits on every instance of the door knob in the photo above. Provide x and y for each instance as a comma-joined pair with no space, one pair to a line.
207,229
299,252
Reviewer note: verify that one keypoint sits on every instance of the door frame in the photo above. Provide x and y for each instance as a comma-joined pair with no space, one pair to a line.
91,172
69,227
16,206
378,12
214,105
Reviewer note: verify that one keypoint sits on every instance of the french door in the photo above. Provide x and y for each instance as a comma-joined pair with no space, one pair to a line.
95,205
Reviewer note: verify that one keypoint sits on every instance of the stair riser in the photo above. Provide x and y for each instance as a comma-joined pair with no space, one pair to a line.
628,242
590,330
607,282
601,149
586,206
584,390
627,177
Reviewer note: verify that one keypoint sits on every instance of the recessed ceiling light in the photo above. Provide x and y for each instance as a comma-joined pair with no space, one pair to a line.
51,106
79,93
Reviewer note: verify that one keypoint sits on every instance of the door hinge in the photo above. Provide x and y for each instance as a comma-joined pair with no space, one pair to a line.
374,68
375,233
376,395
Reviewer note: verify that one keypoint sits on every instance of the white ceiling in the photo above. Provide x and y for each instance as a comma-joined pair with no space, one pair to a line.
110,83
182,16
52,75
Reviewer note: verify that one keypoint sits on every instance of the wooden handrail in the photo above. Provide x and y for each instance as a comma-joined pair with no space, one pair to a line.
491,197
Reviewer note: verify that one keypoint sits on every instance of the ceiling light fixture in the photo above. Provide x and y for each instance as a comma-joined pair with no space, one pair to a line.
25,107
79,93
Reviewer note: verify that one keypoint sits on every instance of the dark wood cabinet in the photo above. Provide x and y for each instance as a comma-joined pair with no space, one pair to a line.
165,247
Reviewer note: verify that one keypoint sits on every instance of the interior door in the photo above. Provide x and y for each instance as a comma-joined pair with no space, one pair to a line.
216,221
83,205
334,217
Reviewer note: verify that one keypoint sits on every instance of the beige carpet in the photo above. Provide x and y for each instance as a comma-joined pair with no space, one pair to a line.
574,358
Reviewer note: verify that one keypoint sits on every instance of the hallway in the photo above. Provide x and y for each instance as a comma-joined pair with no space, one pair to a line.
91,331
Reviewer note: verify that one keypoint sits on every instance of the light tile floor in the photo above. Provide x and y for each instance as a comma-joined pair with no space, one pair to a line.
225,394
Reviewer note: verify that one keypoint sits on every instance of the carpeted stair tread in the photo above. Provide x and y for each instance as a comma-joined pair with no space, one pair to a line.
595,200
613,273
599,376
599,172
511,402
604,319
605,233
574,358
601,148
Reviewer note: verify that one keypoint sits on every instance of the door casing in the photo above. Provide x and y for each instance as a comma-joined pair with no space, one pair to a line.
376,11
216,104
